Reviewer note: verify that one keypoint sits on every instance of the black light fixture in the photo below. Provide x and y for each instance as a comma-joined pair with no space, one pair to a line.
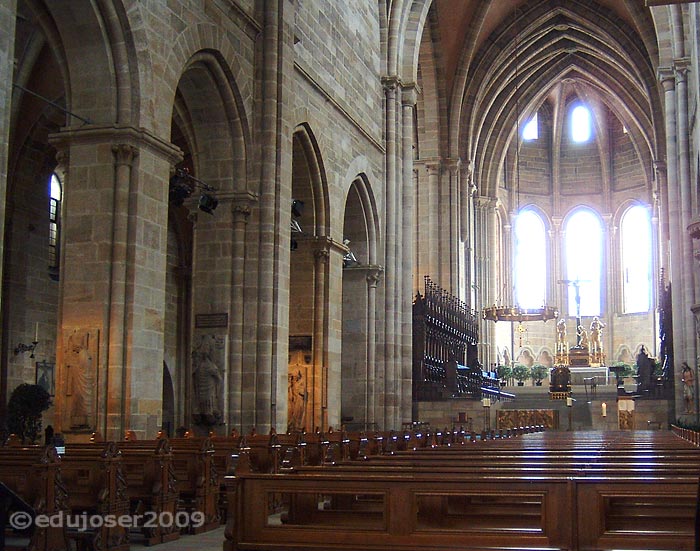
297,210
349,258
183,185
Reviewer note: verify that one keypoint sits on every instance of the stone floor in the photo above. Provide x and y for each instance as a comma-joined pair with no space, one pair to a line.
208,541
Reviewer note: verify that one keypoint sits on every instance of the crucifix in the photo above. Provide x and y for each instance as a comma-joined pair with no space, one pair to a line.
576,283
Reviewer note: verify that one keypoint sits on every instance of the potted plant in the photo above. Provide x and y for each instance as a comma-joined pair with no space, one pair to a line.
27,403
537,373
504,372
521,372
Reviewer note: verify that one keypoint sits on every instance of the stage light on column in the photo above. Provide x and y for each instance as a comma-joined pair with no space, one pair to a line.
208,203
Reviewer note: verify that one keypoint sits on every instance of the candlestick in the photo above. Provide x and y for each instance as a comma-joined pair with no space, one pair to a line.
36,332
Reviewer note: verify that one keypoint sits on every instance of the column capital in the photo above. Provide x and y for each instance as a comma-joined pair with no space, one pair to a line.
681,67
485,202
409,94
124,154
667,78
391,82
374,274
453,165
241,203
328,244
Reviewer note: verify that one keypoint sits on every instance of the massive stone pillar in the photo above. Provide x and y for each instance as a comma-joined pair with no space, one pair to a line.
7,46
112,298
269,385
241,208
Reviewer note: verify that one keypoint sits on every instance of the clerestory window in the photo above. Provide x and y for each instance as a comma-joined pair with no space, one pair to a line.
531,129
55,197
583,245
635,241
580,120
530,259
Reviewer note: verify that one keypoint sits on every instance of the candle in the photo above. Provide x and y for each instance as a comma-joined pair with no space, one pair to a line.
604,407
569,401
36,332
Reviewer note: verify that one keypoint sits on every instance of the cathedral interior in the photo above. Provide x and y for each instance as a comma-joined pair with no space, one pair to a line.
302,214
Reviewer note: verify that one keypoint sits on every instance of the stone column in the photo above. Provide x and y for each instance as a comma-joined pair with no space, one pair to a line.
318,401
611,281
240,209
372,404
675,275
694,234
408,102
681,67
8,14
433,267
112,297
556,290
659,219
485,223
452,261
391,338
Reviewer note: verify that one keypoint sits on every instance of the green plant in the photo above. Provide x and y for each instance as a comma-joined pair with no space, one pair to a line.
521,372
538,372
504,372
24,409
626,370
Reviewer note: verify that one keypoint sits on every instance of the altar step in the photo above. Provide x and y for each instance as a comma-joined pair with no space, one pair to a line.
586,406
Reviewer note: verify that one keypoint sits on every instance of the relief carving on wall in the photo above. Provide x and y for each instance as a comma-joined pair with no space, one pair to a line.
208,360
80,360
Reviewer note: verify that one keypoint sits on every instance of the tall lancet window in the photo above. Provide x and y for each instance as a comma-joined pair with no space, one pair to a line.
530,259
583,248
635,237
55,197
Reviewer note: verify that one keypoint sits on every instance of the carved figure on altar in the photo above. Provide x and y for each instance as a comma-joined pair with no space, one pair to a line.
688,379
582,335
596,335
561,336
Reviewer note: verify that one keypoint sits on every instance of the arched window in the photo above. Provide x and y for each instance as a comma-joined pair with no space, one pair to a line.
584,261
580,124
530,259
55,197
531,130
635,238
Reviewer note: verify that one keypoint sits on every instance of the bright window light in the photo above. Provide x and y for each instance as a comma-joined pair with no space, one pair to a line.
531,130
635,235
584,261
530,260
580,124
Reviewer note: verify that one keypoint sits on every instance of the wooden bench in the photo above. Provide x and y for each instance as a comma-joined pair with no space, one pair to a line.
33,473
197,480
478,496
94,474
152,488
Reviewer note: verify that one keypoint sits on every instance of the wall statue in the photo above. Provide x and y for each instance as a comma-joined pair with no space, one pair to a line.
208,378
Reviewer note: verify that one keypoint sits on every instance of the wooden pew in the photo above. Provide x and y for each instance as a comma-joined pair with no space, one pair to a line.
595,497
152,488
34,474
197,480
94,474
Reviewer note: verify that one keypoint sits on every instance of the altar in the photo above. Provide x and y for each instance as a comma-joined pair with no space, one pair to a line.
578,374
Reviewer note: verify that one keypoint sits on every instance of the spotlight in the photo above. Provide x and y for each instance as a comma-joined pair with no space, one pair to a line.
349,258
183,185
208,203
180,187
297,208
